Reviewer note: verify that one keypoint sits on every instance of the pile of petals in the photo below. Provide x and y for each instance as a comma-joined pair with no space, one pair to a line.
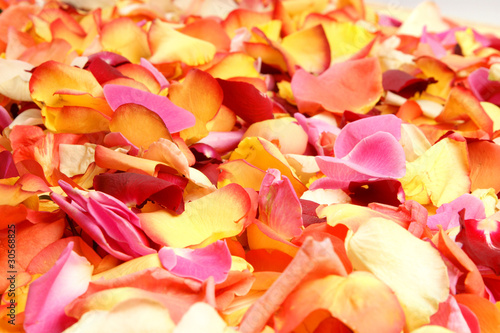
247,166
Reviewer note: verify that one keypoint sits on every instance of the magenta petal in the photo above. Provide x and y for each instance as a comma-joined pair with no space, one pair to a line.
447,214
135,189
175,118
7,167
111,58
279,206
356,131
246,101
199,264
48,295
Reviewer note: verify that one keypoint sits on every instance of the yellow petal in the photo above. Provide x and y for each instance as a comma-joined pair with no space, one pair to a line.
438,176
215,216
169,45
264,155
412,268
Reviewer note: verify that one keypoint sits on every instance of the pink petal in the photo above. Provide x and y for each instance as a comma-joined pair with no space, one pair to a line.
175,118
447,214
279,206
199,264
134,189
156,73
482,88
246,101
377,156
49,294
316,130
438,49
356,131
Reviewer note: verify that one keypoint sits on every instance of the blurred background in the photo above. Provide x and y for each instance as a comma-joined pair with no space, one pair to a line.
479,11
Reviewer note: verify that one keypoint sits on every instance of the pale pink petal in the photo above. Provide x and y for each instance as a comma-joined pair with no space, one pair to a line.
175,118
354,132
438,49
447,214
49,294
199,264
223,142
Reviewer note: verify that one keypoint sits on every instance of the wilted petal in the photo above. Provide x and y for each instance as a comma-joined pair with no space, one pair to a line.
199,264
49,294
412,268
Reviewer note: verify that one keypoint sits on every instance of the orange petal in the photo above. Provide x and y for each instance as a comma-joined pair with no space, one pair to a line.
57,85
314,59
484,159
170,45
209,30
486,312
140,74
110,159
264,155
473,281
314,259
360,300
445,76
463,105
125,37
74,119
338,88
240,172
242,18
215,216
200,94
138,124
234,64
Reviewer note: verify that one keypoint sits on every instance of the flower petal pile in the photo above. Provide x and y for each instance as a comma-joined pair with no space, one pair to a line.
252,166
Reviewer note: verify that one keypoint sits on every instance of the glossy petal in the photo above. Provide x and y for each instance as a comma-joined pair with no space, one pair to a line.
337,89
199,264
65,281
412,268
215,216
174,117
